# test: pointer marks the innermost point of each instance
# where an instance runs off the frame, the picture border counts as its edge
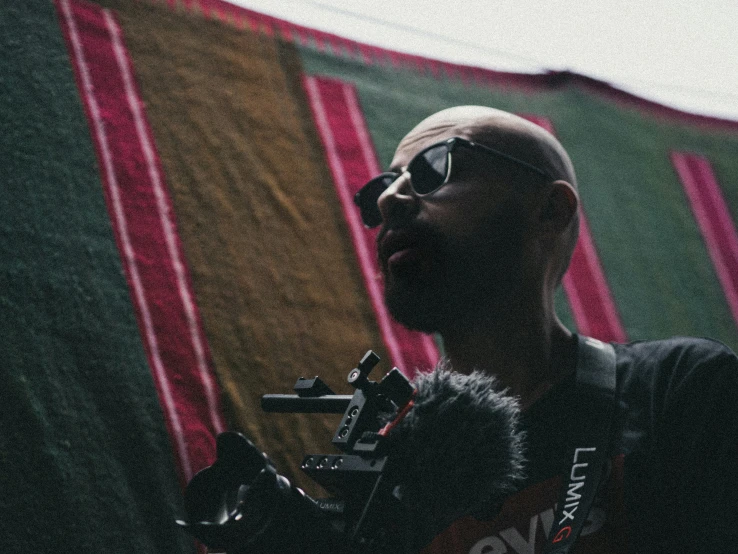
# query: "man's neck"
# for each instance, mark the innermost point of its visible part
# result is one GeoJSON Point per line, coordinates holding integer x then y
{"type": "Point", "coordinates": [528, 358]}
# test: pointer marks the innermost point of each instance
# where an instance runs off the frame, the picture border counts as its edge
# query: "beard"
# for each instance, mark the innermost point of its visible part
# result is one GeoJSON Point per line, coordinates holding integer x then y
{"type": "Point", "coordinates": [458, 281]}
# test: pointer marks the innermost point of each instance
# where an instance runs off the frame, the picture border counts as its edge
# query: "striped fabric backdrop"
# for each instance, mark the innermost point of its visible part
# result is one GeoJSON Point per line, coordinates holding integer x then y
{"type": "Point", "coordinates": [178, 238]}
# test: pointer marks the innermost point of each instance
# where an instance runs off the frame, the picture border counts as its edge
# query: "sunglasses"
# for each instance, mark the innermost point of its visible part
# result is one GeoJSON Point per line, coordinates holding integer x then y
{"type": "Point", "coordinates": [430, 169]}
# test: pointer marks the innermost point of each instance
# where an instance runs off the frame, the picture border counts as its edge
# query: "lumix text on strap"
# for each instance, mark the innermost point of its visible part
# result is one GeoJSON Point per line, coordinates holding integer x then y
{"type": "Point", "coordinates": [588, 450]}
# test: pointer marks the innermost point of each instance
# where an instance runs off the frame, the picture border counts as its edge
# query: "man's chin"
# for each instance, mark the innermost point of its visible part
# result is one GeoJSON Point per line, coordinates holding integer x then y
{"type": "Point", "coordinates": [414, 311]}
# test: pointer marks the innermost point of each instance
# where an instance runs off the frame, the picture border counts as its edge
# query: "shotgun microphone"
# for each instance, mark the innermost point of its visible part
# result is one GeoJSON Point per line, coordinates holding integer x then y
{"type": "Point", "coordinates": [457, 451]}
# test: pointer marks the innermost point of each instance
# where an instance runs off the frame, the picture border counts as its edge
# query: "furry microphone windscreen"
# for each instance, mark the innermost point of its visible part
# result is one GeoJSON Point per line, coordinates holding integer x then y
{"type": "Point", "coordinates": [459, 448]}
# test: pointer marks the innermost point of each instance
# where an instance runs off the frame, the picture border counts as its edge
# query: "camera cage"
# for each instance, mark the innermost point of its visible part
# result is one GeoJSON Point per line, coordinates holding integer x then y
{"type": "Point", "coordinates": [241, 504]}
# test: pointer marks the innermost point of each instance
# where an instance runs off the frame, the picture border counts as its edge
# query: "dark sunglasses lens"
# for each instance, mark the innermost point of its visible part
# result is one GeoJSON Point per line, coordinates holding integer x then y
{"type": "Point", "coordinates": [428, 169]}
{"type": "Point", "coordinates": [367, 198]}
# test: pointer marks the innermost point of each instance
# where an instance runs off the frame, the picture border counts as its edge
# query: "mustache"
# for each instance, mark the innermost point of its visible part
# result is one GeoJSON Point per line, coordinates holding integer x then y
{"type": "Point", "coordinates": [415, 232]}
{"type": "Point", "coordinates": [419, 229]}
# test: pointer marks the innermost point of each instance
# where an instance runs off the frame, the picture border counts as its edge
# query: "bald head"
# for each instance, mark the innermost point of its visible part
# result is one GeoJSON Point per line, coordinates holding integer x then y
{"type": "Point", "coordinates": [503, 131]}
{"type": "Point", "coordinates": [526, 141]}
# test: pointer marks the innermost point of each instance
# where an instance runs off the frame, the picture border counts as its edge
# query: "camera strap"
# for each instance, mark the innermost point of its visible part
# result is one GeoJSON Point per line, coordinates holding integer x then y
{"type": "Point", "coordinates": [594, 406]}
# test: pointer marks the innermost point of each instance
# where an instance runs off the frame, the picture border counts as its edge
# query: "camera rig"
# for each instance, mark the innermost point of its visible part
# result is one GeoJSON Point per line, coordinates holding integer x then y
{"type": "Point", "coordinates": [242, 505]}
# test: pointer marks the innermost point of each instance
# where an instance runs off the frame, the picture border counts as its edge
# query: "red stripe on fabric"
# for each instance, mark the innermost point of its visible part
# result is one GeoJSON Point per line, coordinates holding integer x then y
{"type": "Point", "coordinates": [366, 53]}
{"type": "Point", "coordinates": [376, 54]}
{"type": "Point", "coordinates": [466, 74]}
{"type": "Point", "coordinates": [286, 31]}
{"type": "Point", "coordinates": [418, 62]}
{"type": "Point", "coordinates": [478, 76]}
{"type": "Point", "coordinates": [267, 28]}
{"type": "Point", "coordinates": [352, 161]}
{"type": "Point", "coordinates": [395, 59]}
{"type": "Point", "coordinates": [585, 284]}
{"type": "Point", "coordinates": [589, 294]}
{"type": "Point", "coordinates": [253, 23]}
{"type": "Point", "coordinates": [145, 231]}
{"type": "Point", "coordinates": [713, 218]}
{"type": "Point", "coordinates": [435, 68]}
{"type": "Point", "coordinates": [328, 41]}
{"type": "Point", "coordinates": [303, 36]}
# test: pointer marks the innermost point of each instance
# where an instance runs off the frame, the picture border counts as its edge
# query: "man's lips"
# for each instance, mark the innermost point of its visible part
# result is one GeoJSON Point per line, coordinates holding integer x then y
{"type": "Point", "coordinates": [398, 246]}
{"type": "Point", "coordinates": [404, 256]}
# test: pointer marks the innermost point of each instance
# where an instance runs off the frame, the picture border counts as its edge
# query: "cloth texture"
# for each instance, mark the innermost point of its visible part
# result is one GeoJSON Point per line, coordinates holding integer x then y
{"type": "Point", "coordinates": [263, 246]}
{"type": "Point", "coordinates": [671, 483]}
{"type": "Point", "coordinates": [140, 211]}
{"type": "Point", "coordinates": [273, 269]}
{"type": "Point", "coordinates": [86, 464]}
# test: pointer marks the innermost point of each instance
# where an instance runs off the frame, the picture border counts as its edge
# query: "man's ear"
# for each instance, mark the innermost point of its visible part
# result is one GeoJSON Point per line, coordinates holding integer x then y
{"type": "Point", "coordinates": [559, 207]}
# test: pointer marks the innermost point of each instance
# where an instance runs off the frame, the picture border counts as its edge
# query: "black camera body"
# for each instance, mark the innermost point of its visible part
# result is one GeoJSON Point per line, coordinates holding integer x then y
{"type": "Point", "coordinates": [242, 505]}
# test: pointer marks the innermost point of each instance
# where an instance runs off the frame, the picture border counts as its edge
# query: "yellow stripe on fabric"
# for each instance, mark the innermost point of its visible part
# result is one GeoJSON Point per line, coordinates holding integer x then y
{"type": "Point", "coordinates": [273, 269]}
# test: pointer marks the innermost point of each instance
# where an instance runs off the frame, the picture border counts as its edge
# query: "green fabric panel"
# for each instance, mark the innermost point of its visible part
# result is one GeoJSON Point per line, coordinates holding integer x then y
{"type": "Point", "coordinates": [654, 257]}
{"type": "Point", "coordinates": [85, 461]}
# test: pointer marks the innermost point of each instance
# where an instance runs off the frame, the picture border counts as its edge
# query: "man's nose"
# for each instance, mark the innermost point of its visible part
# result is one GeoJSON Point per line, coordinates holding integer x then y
{"type": "Point", "coordinates": [398, 200]}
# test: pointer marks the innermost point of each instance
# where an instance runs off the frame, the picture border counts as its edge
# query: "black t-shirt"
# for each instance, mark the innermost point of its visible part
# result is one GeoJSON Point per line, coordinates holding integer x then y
{"type": "Point", "coordinates": [672, 481]}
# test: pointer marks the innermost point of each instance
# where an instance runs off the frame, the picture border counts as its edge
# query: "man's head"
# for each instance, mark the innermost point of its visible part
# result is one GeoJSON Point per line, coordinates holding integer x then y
{"type": "Point", "coordinates": [478, 232]}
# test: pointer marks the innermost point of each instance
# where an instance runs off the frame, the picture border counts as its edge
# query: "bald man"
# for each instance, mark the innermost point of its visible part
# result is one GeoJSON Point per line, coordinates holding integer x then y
{"type": "Point", "coordinates": [479, 218]}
